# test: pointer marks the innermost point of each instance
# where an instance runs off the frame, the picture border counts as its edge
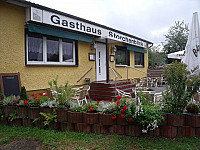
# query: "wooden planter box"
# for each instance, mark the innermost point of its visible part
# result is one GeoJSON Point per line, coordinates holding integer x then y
{"type": "Point", "coordinates": [22, 111]}
{"type": "Point", "coordinates": [121, 121]}
{"type": "Point", "coordinates": [133, 130]}
{"type": "Point", "coordinates": [8, 110]}
{"type": "Point", "coordinates": [91, 118]}
{"type": "Point", "coordinates": [75, 117]}
{"type": "Point", "coordinates": [62, 115]}
{"type": "Point", "coordinates": [175, 120]}
{"type": "Point", "coordinates": [168, 131]}
{"type": "Point", "coordinates": [106, 119]}
{"type": "Point", "coordinates": [192, 120]}
{"type": "Point", "coordinates": [33, 112]}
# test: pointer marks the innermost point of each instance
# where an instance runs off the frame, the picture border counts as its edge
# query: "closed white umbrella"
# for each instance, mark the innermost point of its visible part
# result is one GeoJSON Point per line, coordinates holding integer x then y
{"type": "Point", "coordinates": [192, 49]}
{"type": "Point", "coordinates": [177, 55]}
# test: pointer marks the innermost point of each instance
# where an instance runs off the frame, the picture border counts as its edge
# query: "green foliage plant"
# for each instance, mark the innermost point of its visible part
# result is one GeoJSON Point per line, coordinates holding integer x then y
{"type": "Point", "coordinates": [62, 94]}
{"type": "Point", "coordinates": [1, 97]}
{"type": "Point", "coordinates": [2, 114]}
{"type": "Point", "coordinates": [180, 87]}
{"type": "Point", "coordinates": [23, 93]}
{"type": "Point", "coordinates": [193, 108]}
{"type": "Point", "coordinates": [49, 117]}
{"type": "Point", "coordinates": [10, 100]}
{"type": "Point", "coordinates": [91, 107]}
{"type": "Point", "coordinates": [13, 115]}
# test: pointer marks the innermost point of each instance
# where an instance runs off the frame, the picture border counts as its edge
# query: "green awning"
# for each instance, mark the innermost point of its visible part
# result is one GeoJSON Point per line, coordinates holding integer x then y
{"type": "Point", "coordinates": [59, 33]}
{"type": "Point", "coordinates": [136, 49]}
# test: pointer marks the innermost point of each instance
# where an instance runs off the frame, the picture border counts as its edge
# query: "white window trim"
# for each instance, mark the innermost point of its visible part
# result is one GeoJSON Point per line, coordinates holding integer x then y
{"type": "Point", "coordinates": [45, 62]}
{"type": "Point", "coordinates": [140, 66]}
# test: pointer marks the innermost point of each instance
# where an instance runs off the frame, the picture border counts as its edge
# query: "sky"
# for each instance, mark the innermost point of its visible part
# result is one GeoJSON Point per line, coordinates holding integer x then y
{"type": "Point", "coordinates": [147, 19]}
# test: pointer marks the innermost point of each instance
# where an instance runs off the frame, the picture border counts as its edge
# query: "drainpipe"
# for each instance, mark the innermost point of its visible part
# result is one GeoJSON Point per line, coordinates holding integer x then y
{"type": "Point", "coordinates": [107, 61]}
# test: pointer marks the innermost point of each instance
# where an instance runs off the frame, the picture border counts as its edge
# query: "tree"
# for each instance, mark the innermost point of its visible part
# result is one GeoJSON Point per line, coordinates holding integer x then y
{"type": "Point", "coordinates": [176, 38]}
{"type": "Point", "coordinates": [156, 57]}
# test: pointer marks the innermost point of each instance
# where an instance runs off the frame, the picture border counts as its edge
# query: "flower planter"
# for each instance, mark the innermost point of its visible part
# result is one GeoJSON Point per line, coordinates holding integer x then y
{"type": "Point", "coordinates": [188, 131]}
{"type": "Point", "coordinates": [33, 112]}
{"type": "Point", "coordinates": [62, 115]}
{"type": "Point", "coordinates": [117, 129]}
{"type": "Point", "coordinates": [75, 117]}
{"type": "Point", "coordinates": [63, 126]}
{"type": "Point", "coordinates": [106, 119]}
{"type": "Point", "coordinates": [121, 121]}
{"type": "Point", "coordinates": [83, 127]}
{"type": "Point", "coordinates": [192, 120]}
{"type": "Point", "coordinates": [22, 111]}
{"type": "Point", "coordinates": [1, 107]}
{"type": "Point", "coordinates": [175, 120]}
{"type": "Point", "coordinates": [133, 130]}
{"type": "Point", "coordinates": [16, 122]}
{"type": "Point", "coordinates": [4, 121]}
{"type": "Point", "coordinates": [91, 118]}
{"type": "Point", "coordinates": [46, 110]}
{"type": "Point", "coordinates": [168, 131]}
{"type": "Point", "coordinates": [164, 123]}
{"type": "Point", "coordinates": [54, 126]}
{"type": "Point", "coordinates": [26, 122]}
{"type": "Point", "coordinates": [8, 110]}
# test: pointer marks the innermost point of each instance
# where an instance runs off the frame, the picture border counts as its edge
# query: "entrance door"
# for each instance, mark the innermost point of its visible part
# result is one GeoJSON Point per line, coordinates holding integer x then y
{"type": "Point", "coordinates": [100, 61]}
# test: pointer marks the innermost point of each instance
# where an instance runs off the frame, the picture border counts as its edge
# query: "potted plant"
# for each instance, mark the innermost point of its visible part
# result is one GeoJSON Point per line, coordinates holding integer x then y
{"type": "Point", "coordinates": [192, 118]}
{"type": "Point", "coordinates": [107, 117]}
{"type": "Point", "coordinates": [90, 113]}
{"type": "Point", "coordinates": [62, 95]}
{"type": "Point", "coordinates": [10, 103]}
{"type": "Point", "coordinates": [34, 103]}
{"type": "Point", "coordinates": [75, 115]}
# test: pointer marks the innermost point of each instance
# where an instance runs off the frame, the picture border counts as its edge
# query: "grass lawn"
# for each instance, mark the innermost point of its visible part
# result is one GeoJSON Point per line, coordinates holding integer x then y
{"type": "Point", "coordinates": [81, 141]}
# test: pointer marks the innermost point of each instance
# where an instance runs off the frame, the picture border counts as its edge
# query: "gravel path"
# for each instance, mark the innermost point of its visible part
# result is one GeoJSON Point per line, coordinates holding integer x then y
{"type": "Point", "coordinates": [24, 144]}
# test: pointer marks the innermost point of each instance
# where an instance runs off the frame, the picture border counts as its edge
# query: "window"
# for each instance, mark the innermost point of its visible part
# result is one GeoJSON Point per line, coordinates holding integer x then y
{"type": "Point", "coordinates": [122, 56]}
{"type": "Point", "coordinates": [139, 59]}
{"type": "Point", "coordinates": [47, 50]}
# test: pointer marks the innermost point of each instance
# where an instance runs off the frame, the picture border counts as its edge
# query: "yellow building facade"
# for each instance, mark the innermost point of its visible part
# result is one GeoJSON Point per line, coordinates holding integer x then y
{"type": "Point", "coordinates": [28, 46]}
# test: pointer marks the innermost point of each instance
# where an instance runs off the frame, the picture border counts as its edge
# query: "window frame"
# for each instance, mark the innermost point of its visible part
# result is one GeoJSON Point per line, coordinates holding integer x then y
{"type": "Point", "coordinates": [127, 56]}
{"type": "Point", "coordinates": [141, 65]}
{"type": "Point", "coordinates": [44, 50]}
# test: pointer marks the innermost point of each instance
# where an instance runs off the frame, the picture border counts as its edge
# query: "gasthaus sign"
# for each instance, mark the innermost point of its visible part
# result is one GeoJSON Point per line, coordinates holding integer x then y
{"type": "Point", "coordinates": [54, 19]}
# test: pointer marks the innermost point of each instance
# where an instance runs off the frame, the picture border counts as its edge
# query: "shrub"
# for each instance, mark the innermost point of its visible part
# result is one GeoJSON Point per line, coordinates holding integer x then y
{"type": "Point", "coordinates": [23, 94]}
{"type": "Point", "coordinates": [193, 108]}
{"type": "Point", "coordinates": [176, 96]}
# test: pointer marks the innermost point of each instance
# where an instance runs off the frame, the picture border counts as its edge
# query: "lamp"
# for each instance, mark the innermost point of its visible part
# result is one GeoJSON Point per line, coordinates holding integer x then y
{"type": "Point", "coordinates": [92, 47]}
{"type": "Point", "coordinates": [113, 49]}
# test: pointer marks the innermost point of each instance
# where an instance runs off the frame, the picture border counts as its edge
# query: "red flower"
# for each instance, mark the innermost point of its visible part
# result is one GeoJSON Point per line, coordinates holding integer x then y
{"type": "Point", "coordinates": [122, 111]}
{"type": "Point", "coordinates": [91, 109]}
{"type": "Point", "coordinates": [36, 99]}
{"type": "Point", "coordinates": [114, 117]}
{"type": "Point", "coordinates": [25, 102]}
{"type": "Point", "coordinates": [130, 119]}
{"type": "Point", "coordinates": [98, 102]}
{"type": "Point", "coordinates": [33, 95]}
{"type": "Point", "coordinates": [89, 106]}
{"type": "Point", "coordinates": [125, 107]}
{"type": "Point", "coordinates": [40, 93]}
{"type": "Point", "coordinates": [119, 97]}
{"type": "Point", "coordinates": [46, 95]}
{"type": "Point", "coordinates": [122, 116]}
{"type": "Point", "coordinates": [118, 103]}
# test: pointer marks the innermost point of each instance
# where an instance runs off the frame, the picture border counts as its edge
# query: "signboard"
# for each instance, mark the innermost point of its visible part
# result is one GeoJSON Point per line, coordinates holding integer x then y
{"type": "Point", "coordinates": [54, 19]}
{"type": "Point", "coordinates": [10, 84]}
